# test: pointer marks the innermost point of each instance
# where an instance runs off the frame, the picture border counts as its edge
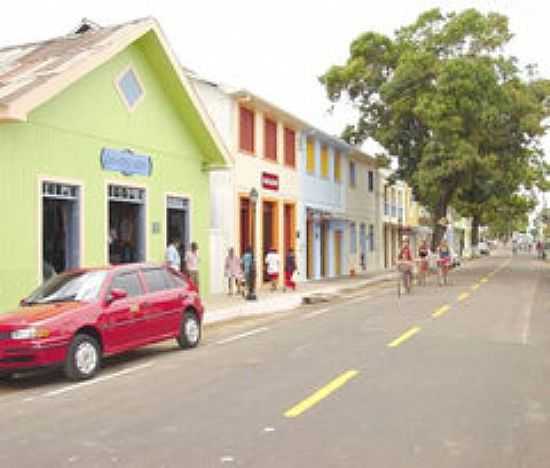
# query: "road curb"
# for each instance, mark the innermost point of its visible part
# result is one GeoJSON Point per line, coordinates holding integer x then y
{"type": "Point", "coordinates": [289, 301]}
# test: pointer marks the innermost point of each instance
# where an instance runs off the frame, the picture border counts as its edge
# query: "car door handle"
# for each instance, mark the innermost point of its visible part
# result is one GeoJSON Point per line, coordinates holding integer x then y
{"type": "Point", "coordinates": [145, 304]}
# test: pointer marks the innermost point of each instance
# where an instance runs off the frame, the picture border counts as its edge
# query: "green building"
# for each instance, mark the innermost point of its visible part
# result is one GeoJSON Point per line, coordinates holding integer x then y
{"type": "Point", "coordinates": [104, 154]}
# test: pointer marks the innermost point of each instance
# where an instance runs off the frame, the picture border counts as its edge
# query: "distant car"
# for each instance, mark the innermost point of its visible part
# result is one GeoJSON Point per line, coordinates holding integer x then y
{"type": "Point", "coordinates": [483, 248]}
{"type": "Point", "coordinates": [76, 318]}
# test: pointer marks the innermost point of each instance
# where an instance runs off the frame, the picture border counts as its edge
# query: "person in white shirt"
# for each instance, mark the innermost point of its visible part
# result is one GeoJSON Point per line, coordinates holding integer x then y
{"type": "Point", "coordinates": [273, 262]}
{"type": "Point", "coordinates": [172, 255]}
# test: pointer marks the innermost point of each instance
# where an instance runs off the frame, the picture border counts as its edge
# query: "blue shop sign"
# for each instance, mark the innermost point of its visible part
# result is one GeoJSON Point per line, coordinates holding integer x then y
{"type": "Point", "coordinates": [126, 162]}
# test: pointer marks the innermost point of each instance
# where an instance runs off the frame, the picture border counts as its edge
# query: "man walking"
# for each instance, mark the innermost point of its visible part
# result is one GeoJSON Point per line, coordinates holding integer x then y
{"type": "Point", "coordinates": [172, 255]}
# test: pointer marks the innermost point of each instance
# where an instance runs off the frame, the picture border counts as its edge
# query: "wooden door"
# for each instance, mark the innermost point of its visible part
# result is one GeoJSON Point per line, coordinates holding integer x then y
{"type": "Point", "coordinates": [338, 253]}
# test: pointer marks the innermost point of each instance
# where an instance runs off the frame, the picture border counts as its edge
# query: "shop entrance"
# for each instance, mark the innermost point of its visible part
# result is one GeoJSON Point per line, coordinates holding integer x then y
{"type": "Point", "coordinates": [289, 223]}
{"type": "Point", "coordinates": [324, 249]}
{"type": "Point", "coordinates": [338, 253]}
{"type": "Point", "coordinates": [60, 228]}
{"type": "Point", "coordinates": [363, 245]}
{"type": "Point", "coordinates": [126, 224]}
{"type": "Point", "coordinates": [177, 223]}
{"type": "Point", "coordinates": [270, 230]}
{"type": "Point", "coordinates": [309, 250]}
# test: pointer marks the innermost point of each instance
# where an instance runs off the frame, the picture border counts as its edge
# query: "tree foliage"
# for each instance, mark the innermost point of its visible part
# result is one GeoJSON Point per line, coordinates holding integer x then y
{"type": "Point", "coordinates": [442, 97]}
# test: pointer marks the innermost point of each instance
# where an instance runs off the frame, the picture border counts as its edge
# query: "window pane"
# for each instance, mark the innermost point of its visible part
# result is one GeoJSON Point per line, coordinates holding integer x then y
{"type": "Point", "coordinates": [128, 282]}
{"type": "Point", "coordinates": [130, 88]}
{"type": "Point", "coordinates": [352, 174]}
{"type": "Point", "coordinates": [177, 280]}
{"type": "Point", "coordinates": [156, 280]}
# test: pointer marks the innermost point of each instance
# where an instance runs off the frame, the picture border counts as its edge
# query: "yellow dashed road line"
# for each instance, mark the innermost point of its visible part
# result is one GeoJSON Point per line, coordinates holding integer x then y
{"type": "Point", "coordinates": [320, 394]}
{"type": "Point", "coordinates": [442, 310]}
{"type": "Point", "coordinates": [464, 296]}
{"type": "Point", "coordinates": [404, 337]}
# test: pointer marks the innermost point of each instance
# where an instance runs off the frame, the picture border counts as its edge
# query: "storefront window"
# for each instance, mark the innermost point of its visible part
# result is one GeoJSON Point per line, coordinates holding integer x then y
{"type": "Point", "coordinates": [126, 224]}
{"type": "Point", "coordinates": [60, 228]}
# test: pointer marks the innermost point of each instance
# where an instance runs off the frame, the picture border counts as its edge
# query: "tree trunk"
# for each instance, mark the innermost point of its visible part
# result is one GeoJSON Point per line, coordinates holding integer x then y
{"type": "Point", "coordinates": [439, 230]}
{"type": "Point", "coordinates": [475, 230]}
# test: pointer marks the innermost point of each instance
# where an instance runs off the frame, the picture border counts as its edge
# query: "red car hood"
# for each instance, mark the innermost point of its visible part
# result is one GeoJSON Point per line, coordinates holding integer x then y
{"type": "Point", "coordinates": [36, 313]}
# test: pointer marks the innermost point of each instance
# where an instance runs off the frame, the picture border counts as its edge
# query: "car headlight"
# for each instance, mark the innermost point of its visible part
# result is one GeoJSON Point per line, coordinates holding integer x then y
{"type": "Point", "coordinates": [30, 333]}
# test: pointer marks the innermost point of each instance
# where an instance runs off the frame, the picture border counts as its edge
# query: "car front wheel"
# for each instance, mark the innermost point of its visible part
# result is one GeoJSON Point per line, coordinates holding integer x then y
{"type": "Point", "coordinates": [83, 358]}
{"type": "Point", "coordinates": [190, 331]}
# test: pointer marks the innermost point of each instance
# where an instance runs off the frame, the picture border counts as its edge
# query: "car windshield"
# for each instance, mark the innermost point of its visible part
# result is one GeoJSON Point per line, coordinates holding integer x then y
{"type": "Point", "coordinates": [73, 286]}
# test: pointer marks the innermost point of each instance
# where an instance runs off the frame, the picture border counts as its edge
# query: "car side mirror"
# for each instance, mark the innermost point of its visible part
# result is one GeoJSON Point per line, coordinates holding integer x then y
{"type": "Point", "coordinates": [116, 294]}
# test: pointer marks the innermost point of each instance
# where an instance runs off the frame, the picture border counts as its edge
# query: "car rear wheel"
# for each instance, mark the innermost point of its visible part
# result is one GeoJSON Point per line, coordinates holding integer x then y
{"type": "Point", "coordinates": [83, 358]}
{"type": "Point", "coordinates": [190, 331]}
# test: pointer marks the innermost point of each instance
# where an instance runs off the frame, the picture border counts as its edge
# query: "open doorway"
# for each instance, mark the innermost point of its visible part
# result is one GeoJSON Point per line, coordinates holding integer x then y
{"type": "Point", "coordinates": [177, 223]}
{"type": "Point", "coordinates": [60, 228]}
{"type": "Point", "coordinates": [270, 231]}
{"type": "Point", "coordinates": [126, 224]}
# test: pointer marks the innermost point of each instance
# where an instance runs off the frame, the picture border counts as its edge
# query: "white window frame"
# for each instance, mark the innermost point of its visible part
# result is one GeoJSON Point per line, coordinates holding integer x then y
{"type": "Point", "coordinates": [118, 79]}
{"type": "Point", "coordinates": [81, 216]}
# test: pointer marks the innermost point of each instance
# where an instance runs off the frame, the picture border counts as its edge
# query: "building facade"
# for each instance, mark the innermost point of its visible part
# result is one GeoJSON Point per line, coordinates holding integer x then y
{"type": "Point", "coordinates": [322, 225]}
{"type": "Point", "coordinates": [254, 204]}
{"type": "Point", "coordinates": [104, 155]}
{"type": "Point", "coordinates": [363, 213]}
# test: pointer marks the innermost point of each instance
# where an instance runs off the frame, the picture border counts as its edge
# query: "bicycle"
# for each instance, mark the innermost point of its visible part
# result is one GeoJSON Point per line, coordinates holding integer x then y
{"type": "Point", "coordinates": [443, 265]}
{"type": "Point", "coordinates": [405, 277]}
{"type": "Point", "coordinates": [422, 271]}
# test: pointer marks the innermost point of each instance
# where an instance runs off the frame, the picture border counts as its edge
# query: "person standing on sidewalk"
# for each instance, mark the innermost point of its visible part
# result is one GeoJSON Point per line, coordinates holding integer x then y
{"type": "Point", "coordinates": [290, 269]}
{"type": "Point", "coordinates": [273, 261]}
{"type": "Point", "coordinates": [232, 271]}
{"type": "Point", "coordinates": [192, 263]}
{"type": "Point", "coordinates": [172, 255]}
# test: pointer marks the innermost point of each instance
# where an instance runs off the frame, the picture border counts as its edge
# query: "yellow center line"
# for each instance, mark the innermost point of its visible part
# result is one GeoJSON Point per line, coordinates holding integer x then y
{"type": "Point", "coordinates": [484, 280]}
{"type": "Point", "coordinates": [404, 337]}
{"type": "Point", "coordinates": [442, 310]}
{"type": "Point", "coordinates": [464, 296]}
{"type": "Point", "coordinates": [475, 287]}
{"type": "Point", "coordinates": [320, 394]}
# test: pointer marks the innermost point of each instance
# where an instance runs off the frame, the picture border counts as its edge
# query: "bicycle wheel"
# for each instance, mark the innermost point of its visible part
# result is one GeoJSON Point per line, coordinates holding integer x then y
{"type": "Point", "coordinates": [399, 286]}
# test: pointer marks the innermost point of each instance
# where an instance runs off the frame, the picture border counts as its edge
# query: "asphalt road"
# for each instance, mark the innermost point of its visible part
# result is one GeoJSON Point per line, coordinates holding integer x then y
{"type": "Point", "coordinates": [456, 376]}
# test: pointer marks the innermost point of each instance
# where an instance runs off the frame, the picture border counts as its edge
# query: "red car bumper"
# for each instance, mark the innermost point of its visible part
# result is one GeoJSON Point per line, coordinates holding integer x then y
{"type": "Point", "coordinates": [29, 354]}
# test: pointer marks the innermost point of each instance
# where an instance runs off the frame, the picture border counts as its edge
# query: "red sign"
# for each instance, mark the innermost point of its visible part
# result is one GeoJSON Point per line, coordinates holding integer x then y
{"type": "Point", "coordinates": [270, 181]}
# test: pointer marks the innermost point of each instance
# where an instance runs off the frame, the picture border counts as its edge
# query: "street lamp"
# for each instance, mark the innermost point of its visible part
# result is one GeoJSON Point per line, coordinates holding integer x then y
{"type": "Point", "coordinates": [253, 197]}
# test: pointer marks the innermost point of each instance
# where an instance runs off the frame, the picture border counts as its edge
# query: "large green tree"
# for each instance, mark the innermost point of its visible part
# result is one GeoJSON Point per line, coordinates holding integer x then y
{"type": "Point", "coordinates": [441, 96]}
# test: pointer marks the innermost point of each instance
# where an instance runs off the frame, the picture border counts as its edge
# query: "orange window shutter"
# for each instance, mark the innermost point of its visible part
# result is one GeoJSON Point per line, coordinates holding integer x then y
{"type": "Point", "coordinates": [337, 170]}
{"type": "Point", "coordinates": [324, 161]}
{"type": "Point", "coordinates": [270, 140]}
{"type": "Point", "coordinates": [246, 130]}
{"type": "Point", "coordinates": [290, 147]}
{"type": "Point", "coordinates": [310, 163]}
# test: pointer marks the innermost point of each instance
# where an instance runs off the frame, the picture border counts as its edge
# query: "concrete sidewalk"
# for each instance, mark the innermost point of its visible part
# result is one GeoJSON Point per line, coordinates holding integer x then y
{"type": "Point", "coordinates": [222, 307]}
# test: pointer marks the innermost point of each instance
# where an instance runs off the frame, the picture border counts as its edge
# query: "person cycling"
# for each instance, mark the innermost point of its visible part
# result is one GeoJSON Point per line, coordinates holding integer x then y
{"type": "Point", "coordinates": [444, 261]}
{"type": "Point", "coordinates": [404, 265]}
{"type": "Point", "coordinates": [423, 254]}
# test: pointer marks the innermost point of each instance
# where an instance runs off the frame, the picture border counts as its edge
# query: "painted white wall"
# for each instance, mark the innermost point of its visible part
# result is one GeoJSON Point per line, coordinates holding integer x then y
{"type": "Point", "coordinates": [362, 208]}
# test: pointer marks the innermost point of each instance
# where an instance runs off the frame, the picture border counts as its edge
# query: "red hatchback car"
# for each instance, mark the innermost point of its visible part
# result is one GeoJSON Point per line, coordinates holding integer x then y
{"type": "Point", "coordinates": [77, 317]}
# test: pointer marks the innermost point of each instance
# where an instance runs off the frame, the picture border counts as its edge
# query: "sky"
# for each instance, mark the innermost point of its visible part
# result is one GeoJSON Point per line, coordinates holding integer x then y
{"type": "Point", "coordinates": [275, 49]}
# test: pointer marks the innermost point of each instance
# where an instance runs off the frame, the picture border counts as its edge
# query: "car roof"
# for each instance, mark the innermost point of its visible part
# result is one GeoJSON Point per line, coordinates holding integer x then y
{"type": "Point", "coordinates": [116, 268]}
